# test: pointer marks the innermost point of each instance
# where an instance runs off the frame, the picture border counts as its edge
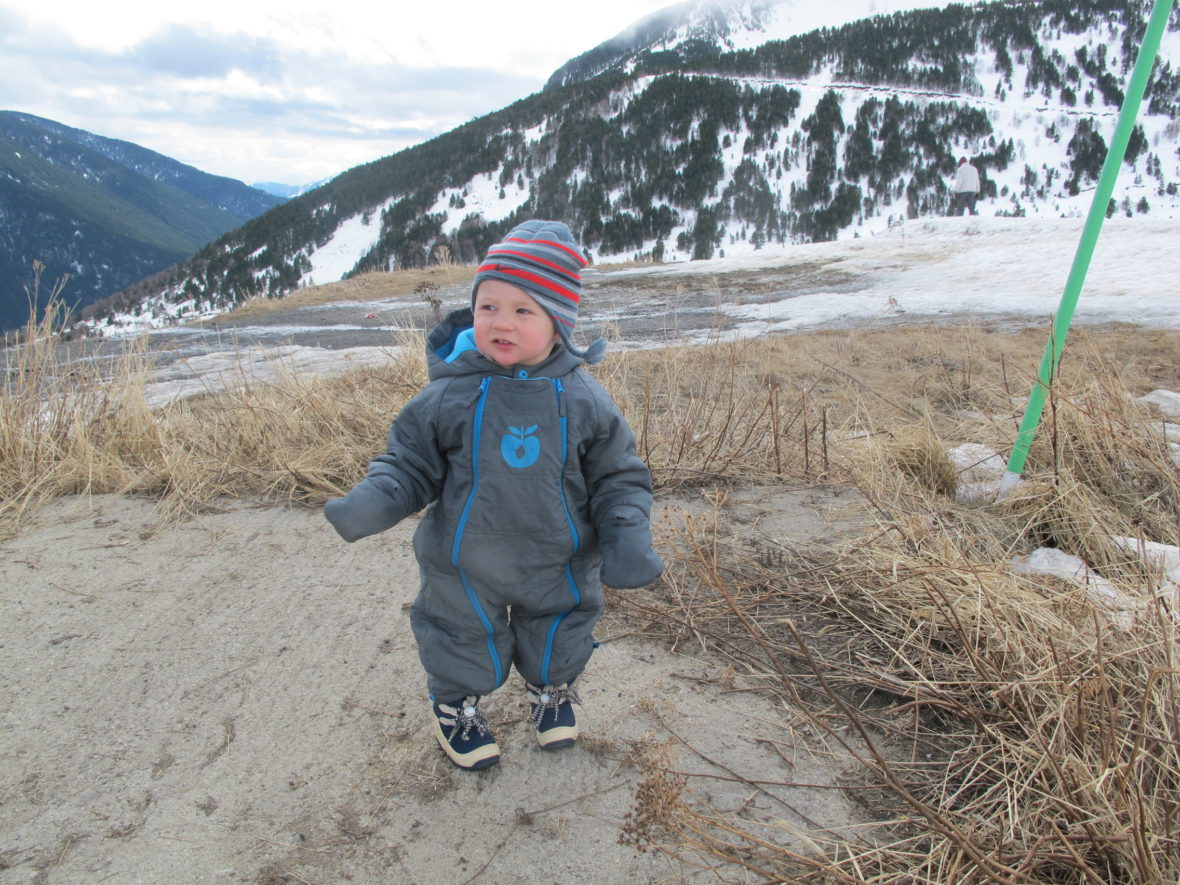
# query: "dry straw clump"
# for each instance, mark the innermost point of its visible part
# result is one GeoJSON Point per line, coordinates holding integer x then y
{"type": "Point", "coordinates": [66, 427]}
{"type": "Point", "coordinates": [1009, 736]}
{"type": "Point", "coordinates": [722, 414]}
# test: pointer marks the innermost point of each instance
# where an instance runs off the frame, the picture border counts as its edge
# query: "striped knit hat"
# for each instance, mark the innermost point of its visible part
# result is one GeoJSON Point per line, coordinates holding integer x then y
{"type": "Point", "coordinates": [542, 258]}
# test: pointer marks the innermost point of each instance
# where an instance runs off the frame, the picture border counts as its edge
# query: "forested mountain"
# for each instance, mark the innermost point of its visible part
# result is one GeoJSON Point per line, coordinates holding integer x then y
{"type": "Point", "coordinates": [687, 150]}
{"type": "Point", "coordinates": [106, 212]}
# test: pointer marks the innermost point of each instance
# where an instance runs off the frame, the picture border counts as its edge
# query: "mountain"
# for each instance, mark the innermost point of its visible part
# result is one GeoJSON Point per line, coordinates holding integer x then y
{"type": "Point", "coordinates": [105, 212]}
{"type": "Point", "coordinates": [681, 146]}
{"type": "Point", "coordinates": [719, 24]}
{"type": "Point", "coordinates": [286, 191]}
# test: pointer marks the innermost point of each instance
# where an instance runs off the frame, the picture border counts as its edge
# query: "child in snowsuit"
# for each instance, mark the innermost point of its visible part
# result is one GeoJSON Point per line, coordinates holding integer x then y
{"type": "Point", "coordinates": [535, 491]}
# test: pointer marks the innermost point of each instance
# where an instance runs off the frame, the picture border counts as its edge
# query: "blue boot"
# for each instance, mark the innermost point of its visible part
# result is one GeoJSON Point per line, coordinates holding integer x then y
{"type": "Point", "coordinates": [464, 735]}
{"type": "Point", "coordinates": [552, 713]}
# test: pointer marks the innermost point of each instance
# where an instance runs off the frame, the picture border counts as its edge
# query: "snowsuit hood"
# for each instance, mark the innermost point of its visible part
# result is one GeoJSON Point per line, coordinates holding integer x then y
{"type": "Point", "coordinates": [450, 352]}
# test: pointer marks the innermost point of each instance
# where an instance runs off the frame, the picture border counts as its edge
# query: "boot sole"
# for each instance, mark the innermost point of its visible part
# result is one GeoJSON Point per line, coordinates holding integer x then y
{"type": "Point", "coordinates": [558, 738]}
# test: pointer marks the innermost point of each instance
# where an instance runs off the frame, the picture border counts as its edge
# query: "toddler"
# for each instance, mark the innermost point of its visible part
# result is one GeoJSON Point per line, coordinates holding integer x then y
{"type": "Point", "coordinates": [536, 496]}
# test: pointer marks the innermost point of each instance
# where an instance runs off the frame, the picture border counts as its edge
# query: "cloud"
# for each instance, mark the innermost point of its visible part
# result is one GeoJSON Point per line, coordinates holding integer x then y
{"type": "Point", "coordinates": [281, 90]}
{"type": "Point", "coordinates": [196, 52]}
{"type": "Point", "coordinates": [199, 95]}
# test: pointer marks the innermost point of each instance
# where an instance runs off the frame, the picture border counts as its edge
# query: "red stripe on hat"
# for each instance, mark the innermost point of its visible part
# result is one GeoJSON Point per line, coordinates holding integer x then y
{"type": "Point", "coordinates": [568, 294]}
{"type": "Point", "coordinates": [531, 257]}
{"type": "Point", "coordinates": [581, 259]}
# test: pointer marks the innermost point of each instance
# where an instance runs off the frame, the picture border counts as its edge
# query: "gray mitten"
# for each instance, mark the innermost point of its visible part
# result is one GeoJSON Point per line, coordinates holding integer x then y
{"type": "Point", "coordinates": [628, 560]}
{"type": "Point", "coordinates": [366, 510]}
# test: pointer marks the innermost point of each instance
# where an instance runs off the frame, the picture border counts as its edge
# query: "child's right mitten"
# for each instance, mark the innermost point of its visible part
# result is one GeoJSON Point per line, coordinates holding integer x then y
{"type": "Point", "coordinates": [628, 559]}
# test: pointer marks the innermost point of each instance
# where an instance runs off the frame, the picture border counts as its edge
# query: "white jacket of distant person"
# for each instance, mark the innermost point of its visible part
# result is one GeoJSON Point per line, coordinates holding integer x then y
{"type": "Point", "coordinates": [966, 178]}
{"type": "Point", "coordinates": [966, 189]}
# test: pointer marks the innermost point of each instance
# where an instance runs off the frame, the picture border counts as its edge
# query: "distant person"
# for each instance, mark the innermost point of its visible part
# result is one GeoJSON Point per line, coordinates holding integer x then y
{"type": "Point", "coordinates": [536, 496]}
{"type": "Point", "coordinates": [965, 189]}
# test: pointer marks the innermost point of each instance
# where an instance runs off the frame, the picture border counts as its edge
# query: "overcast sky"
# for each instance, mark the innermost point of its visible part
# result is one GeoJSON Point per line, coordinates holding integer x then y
{"type": "Point", "coordinates": [292, 91]}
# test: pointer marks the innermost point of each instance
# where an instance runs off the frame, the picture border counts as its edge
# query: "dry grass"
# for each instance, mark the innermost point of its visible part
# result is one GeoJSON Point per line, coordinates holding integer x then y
{"type": "Point", "coordinates": [62, 428]}
{"type": "Point", "coordinates": [1007, 728]}
{"type": "Point", "coordinates": [375, 286]}
{"type": "Point", "coordinates": [69, 429]}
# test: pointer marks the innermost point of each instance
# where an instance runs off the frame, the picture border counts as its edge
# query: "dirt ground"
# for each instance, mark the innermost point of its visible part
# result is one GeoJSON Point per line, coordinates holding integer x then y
{"type": "Point", "coordinates": [237, 698]}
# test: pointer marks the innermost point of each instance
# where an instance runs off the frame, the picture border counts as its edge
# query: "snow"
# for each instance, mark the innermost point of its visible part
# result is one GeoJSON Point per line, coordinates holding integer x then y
{"type": "Point", "coordinates": [1163, 557]}
{"type": "Point", "coordinates": [1118, 606]}
{"type": "Point", "coordinates": [483, 198]}
{"type": "Point", "coordinates": [786, 18]}
{"type": "Point", "coordinates": [1166, 401]}
{"type": "Point", "coordinates": [226, 370]}
{"type": "Point", "coordinates": [352, 239]}
{"type": "Point", "coordinates": [979, 471]}
{"type": "Point", "coordinates": [1003, 267]}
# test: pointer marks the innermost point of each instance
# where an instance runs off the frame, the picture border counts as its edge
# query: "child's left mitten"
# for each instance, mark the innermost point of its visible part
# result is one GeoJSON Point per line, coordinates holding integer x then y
{"type": "Point", "coordinates": [628, 558]}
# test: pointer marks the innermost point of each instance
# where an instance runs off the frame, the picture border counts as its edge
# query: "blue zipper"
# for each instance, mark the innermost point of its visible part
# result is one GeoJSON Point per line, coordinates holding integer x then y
{"type": "Point", "coordinates": [475, 434]}
{"type": "Point", "coordinates": [551, 634]}
{"type": "Point", "coordinates": [489, 628]}
{"type": "Point", "coordinates": [577, 542]}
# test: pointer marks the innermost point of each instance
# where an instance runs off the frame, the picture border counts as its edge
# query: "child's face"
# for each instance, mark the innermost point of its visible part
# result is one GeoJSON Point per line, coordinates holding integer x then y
{"type": "Point", "coordinates": [510, 327]}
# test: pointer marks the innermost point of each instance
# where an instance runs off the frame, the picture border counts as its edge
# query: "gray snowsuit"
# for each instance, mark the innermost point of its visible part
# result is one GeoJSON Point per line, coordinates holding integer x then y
{"type": "Point", "coordinates": [529, 471]}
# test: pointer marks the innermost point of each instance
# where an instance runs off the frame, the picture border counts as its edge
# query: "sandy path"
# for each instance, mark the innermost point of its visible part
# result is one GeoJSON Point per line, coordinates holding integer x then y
{"type": "Point", "coordinates": [238, 698]}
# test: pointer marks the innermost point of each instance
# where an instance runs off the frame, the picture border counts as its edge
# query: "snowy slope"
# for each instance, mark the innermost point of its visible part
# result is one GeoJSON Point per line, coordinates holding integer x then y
{"type": "Point", "coordinates": [753, 22]}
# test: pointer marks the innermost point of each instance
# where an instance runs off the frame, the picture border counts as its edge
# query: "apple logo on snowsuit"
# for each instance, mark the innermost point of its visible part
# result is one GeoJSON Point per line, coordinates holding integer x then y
{"type": "Point", "coordinates": [520, 448]}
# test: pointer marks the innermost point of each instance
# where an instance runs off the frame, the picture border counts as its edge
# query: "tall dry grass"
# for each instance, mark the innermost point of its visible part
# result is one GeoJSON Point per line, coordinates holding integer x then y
{"type": "Point", "coordinates": [65, 427]}
{"type": "Point", "coordinates": [71, 427]}
{"type": "Point", "coordinates": [1007, 728]}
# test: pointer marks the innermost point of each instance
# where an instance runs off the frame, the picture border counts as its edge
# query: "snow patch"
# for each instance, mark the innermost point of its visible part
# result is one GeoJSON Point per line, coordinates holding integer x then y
{"type": "Point", "coordinates": [350, 242]}
{"type": "Point", "coordinates": [1119, 608]}
{"type": "Point", "coordinates": [233, 370]}
{"type": "Point", "coordinates": [979, 470]}
{"type": "Point", "coordinates": [1164, 558]}
{"type": "Point", "coordinates": [1167, 401]}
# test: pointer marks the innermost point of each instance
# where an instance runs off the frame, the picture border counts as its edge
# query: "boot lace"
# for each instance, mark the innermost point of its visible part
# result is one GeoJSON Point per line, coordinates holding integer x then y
{"type": "Point", "coordinates": [466, 717]}
{"type": "Point", "coordinates": [550, 698]}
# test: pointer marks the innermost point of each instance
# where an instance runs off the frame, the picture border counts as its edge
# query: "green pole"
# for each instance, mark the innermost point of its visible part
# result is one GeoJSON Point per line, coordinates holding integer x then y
{"type": "Point", "coordinates": [1081, 263]}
